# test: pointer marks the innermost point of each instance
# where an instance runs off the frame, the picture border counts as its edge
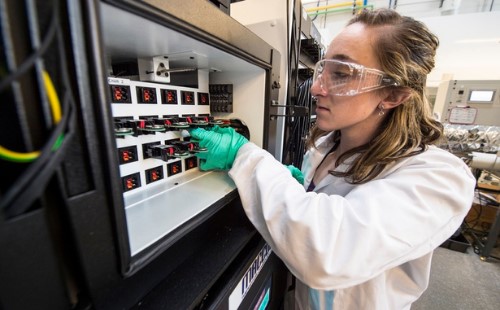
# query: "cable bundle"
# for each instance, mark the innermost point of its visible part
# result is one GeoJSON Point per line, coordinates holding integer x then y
{"type": "Point", "coordinates": [42, 164]}
{"type": "Point", "coordinates": [299, 126]}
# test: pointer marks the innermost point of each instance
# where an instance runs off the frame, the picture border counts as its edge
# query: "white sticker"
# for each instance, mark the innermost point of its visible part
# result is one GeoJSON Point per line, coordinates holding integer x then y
{"type": "Point", "coordinates": [462, 115]}
{"type": "Point", "coordinates": [248, 278]}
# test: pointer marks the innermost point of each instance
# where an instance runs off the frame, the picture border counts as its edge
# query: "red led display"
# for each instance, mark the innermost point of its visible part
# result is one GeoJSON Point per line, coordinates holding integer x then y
{"type": "Point", "coordinates": [187, 97]}
{"type": "Point", "coordinates": [169, 96]}
{"type": "Point", "coordinates": [203, 99]}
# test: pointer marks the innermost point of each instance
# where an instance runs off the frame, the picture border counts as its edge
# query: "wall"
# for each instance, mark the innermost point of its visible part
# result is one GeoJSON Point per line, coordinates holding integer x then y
{"type": "Point", "coordinates": [469, 43]}
{"type": "Point", "coordinates": [268, 19]}
{"type": "Point", "coordinates": [469, 47]}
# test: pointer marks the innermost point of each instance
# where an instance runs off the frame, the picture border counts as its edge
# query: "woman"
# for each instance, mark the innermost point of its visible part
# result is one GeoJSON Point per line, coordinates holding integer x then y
{"type": "Point", "coordinates": [378, 197]}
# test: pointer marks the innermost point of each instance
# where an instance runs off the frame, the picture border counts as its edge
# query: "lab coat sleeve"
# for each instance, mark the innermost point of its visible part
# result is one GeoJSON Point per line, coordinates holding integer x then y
{"type": "Point", "coordinates": [333, 242]}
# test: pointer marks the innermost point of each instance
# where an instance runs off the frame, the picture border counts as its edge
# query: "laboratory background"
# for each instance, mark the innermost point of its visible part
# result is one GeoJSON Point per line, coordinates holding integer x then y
{"type": "Point", "coordinates": [103, 204]}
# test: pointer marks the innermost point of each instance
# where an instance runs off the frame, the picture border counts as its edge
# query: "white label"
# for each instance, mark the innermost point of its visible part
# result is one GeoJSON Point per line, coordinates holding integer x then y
{"type": "Point", "coordinates": [462, 115]}
{"type": "Point", "coordinates": [112, 80]}
{"type": "Point", "coordinates": [249, 277]}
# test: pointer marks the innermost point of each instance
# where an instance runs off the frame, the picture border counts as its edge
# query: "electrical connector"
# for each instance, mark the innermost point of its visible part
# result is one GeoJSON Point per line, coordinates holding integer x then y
{"type": "Point", "coordinates": [166, 152]}
{"type": "Point", "coordinates": [166, 122]}
{"type": "Point", "coordinates": [174, 168]}
{"type": "Point", "coordinates": [186, 119]}
{"type": "Point", "coordinates": [203, 99]}
{"type": "Point", "coordinates": [127, 154]}
{"type": "Point", "coordinates": [191, 162]}
{"type": "Point", "coordinates": [169, 96]}
{"type": "Point", "coordinates": [151, 126]}
{"type": "Point", "coordinates": [146, 95]}
{"type": "Point", "coordinates": [154, 174]}
{"type": "Point", "coordinates": [188, 147]}
{"type": "Point", "coordinates": [148, 150]}
{"type": "Point", "coordinates": [120, 94]}
{"type": "Point", "coordinates": [187, 97]}
{"type": "Point", "coordinates": [131, 181]}
{"type": "Point", "coordinates": [123, 127]}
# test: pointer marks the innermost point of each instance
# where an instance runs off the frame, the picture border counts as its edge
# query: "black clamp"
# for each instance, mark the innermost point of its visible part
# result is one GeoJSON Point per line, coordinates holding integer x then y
{"type": "Point", "coordinates": [291, 111]}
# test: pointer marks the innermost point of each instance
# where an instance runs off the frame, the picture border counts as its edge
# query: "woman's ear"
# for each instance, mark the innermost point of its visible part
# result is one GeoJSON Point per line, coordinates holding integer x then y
{"type": "Point", "coordinates": [396, 97]}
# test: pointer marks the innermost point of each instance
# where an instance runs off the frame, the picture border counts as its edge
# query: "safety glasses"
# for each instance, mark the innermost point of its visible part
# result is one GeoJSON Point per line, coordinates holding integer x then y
{"type": "Point", "coordinates": [348, 79]}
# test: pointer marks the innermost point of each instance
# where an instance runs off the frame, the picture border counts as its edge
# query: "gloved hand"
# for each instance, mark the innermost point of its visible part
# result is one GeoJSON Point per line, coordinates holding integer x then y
{"type": "Point", "coordinates": [296, 173]}
{"type": "Point", "coordinates": [222, 145]}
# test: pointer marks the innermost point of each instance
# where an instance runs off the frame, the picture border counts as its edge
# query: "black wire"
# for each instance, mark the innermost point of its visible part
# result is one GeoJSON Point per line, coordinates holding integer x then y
{"type": "Point", "coordinates": [29, 186]}
{"type": "Point", "coordinates": [293, 64]}
{"type": "Point", "coordinates": [307, 100]}
{"type": "Point", "coordinates": [316, 16]}
{"type": "Point", "coordinates": [30, 61]}
{"type": "Point", "coordinates": [471, 225]}
{"type": "Point", "coordinates": [475, 221]}
{"type": "Point", "coordinates": [299, 128]}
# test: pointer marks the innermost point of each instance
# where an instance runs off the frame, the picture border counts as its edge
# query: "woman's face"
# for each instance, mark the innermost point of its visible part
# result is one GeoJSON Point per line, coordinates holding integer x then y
{"type": "Point", "coordinates": [358, 113]}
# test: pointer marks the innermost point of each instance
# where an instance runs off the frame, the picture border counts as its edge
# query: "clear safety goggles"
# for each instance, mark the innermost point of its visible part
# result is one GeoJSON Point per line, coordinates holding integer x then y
{"type": "Point", "coordinates": [348, 79]}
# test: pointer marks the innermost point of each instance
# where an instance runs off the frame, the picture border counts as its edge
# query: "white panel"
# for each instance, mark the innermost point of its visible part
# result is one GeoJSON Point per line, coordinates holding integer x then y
{"type": "Point", "coordinates": [155, 210]}
{"type": "Point", "coordinates": [453, 104]}
{"type": "Point", "coordinates": [248, 98]}
{"type": "Point", "coordinates": [154, 214]}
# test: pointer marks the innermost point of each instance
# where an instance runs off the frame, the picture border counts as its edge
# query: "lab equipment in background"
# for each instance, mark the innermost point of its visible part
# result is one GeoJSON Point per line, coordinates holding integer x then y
{"type": "Point", "coordinates": [485, 161]}
{"type": "Point", "coordinates": [488, 197]}
{"type": "Point", "coordinates": [479, 146]}
{"type": "Point", "coordinates": [468, 102]}
{"type": "Point", "coordinates": [463, 139]}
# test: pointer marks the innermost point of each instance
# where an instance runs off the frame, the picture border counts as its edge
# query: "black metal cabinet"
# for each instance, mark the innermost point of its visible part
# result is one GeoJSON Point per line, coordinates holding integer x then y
{"type": "Point", "coordinates": [65, 234]}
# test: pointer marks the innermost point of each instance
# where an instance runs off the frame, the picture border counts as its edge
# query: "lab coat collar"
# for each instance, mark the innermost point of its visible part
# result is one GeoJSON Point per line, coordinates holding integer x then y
{"type": "Point", "coordinates": [314, 157]}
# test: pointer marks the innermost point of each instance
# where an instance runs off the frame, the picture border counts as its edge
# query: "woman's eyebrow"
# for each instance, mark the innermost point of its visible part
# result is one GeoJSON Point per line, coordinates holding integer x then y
{"type": "Point", "coordinates": [341, 57]}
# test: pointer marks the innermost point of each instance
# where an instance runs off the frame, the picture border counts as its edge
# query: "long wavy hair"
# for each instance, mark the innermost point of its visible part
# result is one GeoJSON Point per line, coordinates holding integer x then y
{"type": "Point", "coordinates": [406, 50]}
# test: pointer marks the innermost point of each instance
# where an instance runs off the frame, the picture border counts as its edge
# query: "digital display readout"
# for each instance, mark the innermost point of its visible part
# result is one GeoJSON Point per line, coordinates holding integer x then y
{"type": "Point", "coordinates": [481, 96]}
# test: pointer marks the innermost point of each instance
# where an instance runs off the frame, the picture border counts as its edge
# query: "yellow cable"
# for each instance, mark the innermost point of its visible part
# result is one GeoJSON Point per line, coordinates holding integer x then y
{"type": "Point", "coordinates": [55, 106]}
{"type": "Point", "coordinates": [18, 157]}
{"type": "Point", "coordinates": [53, 99]}
{"type": "Point", "coordinates": [337, 5]}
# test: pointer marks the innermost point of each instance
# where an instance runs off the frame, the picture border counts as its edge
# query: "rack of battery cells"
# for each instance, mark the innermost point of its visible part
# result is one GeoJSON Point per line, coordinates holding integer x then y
{"type": "Point", "coordinates": [150, 123]}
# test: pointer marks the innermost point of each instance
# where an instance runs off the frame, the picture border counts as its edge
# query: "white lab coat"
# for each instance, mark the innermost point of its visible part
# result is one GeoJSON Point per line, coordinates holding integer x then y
{"type": "Point", "coordinates": [365, 246]}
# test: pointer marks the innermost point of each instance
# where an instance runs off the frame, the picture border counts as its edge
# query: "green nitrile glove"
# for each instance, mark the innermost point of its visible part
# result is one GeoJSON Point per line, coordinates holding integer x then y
{"type": "Point", "coordinates": [222, 145]}
{"type": "Point", "coordinates": [296, 173]}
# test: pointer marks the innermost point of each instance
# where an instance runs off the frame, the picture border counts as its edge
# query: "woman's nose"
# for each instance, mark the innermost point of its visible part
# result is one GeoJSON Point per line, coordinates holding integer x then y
{"type": "Point", "coordinates": [317, 89]}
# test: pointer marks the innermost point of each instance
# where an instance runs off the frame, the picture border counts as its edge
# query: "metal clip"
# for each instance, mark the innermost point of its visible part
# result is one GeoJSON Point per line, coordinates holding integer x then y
{"type": "Point", "coordinates": [291, 111]}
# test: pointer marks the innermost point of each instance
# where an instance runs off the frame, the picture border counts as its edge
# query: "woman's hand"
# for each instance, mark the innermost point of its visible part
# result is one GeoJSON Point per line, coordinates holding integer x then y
{"type": "Point", "coordinates": [222, 146]}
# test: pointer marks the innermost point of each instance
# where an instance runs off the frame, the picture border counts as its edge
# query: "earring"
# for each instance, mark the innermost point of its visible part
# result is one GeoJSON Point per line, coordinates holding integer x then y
{"type": "Point", "coordinates": [381, 110]}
